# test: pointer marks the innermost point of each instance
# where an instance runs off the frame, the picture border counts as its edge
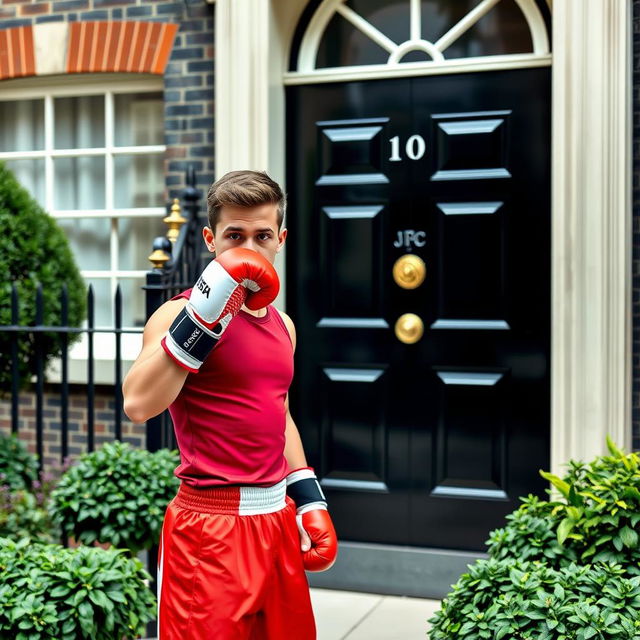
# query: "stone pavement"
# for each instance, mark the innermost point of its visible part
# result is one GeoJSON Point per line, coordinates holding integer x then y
{"type": "Point", "coordinates": [344, 615]}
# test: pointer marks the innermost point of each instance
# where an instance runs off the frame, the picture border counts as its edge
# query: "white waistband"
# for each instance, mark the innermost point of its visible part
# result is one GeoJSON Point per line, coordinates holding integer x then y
{"type": "Point", "coordinates": [256, 500]}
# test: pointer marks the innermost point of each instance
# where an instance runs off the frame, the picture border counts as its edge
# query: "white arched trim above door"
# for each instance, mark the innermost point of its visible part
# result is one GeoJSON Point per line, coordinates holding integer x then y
{"type": "Point", "coordinates": [591, 256]}
{"type": "Point", "coordinates": [306, 70]}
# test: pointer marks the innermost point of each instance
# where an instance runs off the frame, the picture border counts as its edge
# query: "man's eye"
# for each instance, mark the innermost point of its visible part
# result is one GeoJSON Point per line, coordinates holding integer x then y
{"type": "Point", "coordinates": [264, 237]}
{"type": "Point", "coordinates": [233, 236]}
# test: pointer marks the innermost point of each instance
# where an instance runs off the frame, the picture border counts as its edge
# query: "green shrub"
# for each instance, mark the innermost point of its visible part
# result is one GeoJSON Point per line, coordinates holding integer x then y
{"type": "Point", "coordinates": [599, 511]}
{"type": "Point", "coordinates": [595, 519]}
{"type": "Point", "coordinates": [33, 249]}
{"type": "Point", "coordinates": [530, 535]}
{"type": "Point", "coordinates": [529, 600]}
{"type": "Point", "coordinates": [18, 467]}
{"type": "Point", "coordinates": [567, 568]}
{"type": "Point", "coordinates": [24, 494]}
{"type": "Point", "coordinates": [116, 494]}
{"type": "Point", "coordinates": [47, 592]}
{"type": "Point", "coordinates": [21, 516]}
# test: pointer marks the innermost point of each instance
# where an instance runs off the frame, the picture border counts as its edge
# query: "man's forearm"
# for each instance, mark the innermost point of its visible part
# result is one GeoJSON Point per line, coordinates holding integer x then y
{"type": "Point", "coordinates": [152, 385]}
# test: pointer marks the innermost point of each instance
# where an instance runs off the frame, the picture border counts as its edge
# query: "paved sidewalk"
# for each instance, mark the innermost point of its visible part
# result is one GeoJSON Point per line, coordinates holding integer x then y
{"type": "Point", "coordinates": [344, 615]}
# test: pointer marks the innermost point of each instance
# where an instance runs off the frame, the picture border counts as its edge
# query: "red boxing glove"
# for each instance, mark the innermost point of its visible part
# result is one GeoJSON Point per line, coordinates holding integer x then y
{"type": "Point", "coordinates": [313, 518]}
{"type": "Point", "coordinates": [235, 277]}
{"type": "Point", "coordinates": [324, 542]}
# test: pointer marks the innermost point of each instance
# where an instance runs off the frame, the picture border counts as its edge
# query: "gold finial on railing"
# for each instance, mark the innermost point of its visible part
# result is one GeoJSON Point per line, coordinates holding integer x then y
{"type": "Point", "coordinates": [174, 221]}
{"type": "Point", "coordinates": [158, 258]}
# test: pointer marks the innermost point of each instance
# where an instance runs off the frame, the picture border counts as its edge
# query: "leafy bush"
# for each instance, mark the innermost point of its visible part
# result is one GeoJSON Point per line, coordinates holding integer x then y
{"type": "Point", "coordinates": [33, 248]}
{"type": "Point", "coordinates": [19, 467]}
{"type": "Point", "coordinates": [567, 568]}
{"type": "Point", "coordinates": [529, 600]}
{"type": "Point", "coordinates": [21, 516]}
{"type": "Point", "coordinates": [530, 535]}
{"type": "Point", "coordinates": [595, 519]}
{"type": "Point", "coordinates": [24, 493]}
{"type": "Point", "coordinates": [116, 494]}
{"type": "Point", "coordinates": [47, 591]}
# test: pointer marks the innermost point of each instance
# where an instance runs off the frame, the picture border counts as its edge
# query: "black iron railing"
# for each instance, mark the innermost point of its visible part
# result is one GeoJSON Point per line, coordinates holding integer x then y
{"type": "Point", "coordinates": [38, 330]}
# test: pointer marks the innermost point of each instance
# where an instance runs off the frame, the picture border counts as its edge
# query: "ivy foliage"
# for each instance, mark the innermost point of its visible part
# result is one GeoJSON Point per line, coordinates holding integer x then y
{"type": "Point", "coordinates": [33, 249]}
{"type": "Point", "coordinates": [47, 592]}
{"type": "Point", "coordinates": [116, 494]}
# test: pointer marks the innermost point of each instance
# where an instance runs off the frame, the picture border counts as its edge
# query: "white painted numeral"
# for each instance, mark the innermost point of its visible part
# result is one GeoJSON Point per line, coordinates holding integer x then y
{"type": "Point", "coordinates": [395, 149]}
{"type": "Point", "coordinates": [415, 148]}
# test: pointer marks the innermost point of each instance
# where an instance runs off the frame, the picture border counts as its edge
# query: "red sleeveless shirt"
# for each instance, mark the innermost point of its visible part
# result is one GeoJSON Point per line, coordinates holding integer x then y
{"type": "Point", "coordinates": [229, 418]}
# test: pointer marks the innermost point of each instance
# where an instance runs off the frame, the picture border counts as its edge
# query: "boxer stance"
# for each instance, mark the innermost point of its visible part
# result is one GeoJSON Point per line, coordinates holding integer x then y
{"type": "Point", "coordinates": [249, 516]}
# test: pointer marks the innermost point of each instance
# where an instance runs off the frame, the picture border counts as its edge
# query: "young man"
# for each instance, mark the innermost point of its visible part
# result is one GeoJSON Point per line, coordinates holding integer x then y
{"type": "Point", "coordinates": [234, 547]}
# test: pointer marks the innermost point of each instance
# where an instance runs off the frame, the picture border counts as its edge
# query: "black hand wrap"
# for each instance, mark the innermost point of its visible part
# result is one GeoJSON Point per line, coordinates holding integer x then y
{"type": "Point", "coordinates": [192, 343]}
{"type": "Point", "coordinates": [303, 488]}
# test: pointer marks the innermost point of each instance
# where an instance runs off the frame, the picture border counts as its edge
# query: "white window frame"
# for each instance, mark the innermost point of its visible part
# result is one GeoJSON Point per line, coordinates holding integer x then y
{"type": "Point", "coordinates": [109, 87]}
{"type": "Point", "coordinates": [74, 85]}
{"type": "Point", "coordinates": [307, 72]}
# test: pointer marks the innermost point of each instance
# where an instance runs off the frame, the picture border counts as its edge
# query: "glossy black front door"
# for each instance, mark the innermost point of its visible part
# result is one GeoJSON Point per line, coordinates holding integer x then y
{"type": "Point", "coordinates": [429, 443]}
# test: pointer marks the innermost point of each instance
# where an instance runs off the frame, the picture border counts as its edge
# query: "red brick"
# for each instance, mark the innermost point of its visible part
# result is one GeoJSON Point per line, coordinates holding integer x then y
{"type": "Point", "coordinates": [35, 9]}
{"type": "Point", "coordinates": [176, 152]}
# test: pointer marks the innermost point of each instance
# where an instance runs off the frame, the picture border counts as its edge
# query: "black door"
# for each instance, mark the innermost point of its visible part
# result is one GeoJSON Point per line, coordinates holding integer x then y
{"type": "Point", "coordinates": [427, 443]}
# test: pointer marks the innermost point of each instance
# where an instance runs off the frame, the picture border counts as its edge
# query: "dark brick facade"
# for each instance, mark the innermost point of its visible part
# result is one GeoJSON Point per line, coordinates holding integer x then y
{"type": "Point", "coordinates": [636, 225]}
{"type": "Point", "coordinates": [188, 79]}
{"type": "Point", "coordinates": [77, 421]}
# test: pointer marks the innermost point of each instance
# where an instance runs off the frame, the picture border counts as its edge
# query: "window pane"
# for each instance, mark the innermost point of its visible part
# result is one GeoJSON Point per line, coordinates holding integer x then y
{"type": "Point", "coordinates": [79, 183]}
{"type": "Point", "coordinates": [89, 239]}
{"type": "Point", "coordinates": [135, 240]}
{"type": "Point", "coordinates": [79, 122]}
{"type": "Point", "coordinates": [343, 45]}
{"type": "Point", "coordinates": [102, 303]}
{"type": "Point", "coordinates": [30, 174]}
{"type": "Point", "coordinates": [391, 17]}
{"type": "Point", "coordinates": [22, 125]}
{"type": "Point", "coordinates": [133, 302]}
{"type": "Point", "coordinates": [139, 181]}
{"type": "Point", "coordinates": [139, 119]}
{"type": "Point", "coordinates": [502, 31]}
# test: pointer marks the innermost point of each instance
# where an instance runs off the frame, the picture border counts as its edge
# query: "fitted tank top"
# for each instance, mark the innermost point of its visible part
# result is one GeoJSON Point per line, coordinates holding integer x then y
{"type": "Point", "coordinates": [229, 418]}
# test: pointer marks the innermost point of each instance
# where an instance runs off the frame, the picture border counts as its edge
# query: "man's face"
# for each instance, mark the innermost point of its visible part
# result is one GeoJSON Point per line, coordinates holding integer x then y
{"type": "Point", "coordinates": [253, 228]}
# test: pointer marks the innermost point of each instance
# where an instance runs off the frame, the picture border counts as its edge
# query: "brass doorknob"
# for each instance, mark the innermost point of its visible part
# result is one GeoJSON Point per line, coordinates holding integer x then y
{"type": "Point", "coordinates": [409, 328]}
{"type": "Point", "coordinates": [409, 271]}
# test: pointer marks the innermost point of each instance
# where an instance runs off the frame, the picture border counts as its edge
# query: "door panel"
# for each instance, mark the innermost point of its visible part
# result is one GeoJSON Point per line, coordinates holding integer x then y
{"type": "Point", "coordinates": [428, 443]}
{"type": "Point", "coordinates": [352, 280]}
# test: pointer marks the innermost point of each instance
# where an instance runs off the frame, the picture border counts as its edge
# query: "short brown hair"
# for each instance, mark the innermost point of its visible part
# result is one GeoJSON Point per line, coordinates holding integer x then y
{"type": "Point", "coordinates": [244, 189]}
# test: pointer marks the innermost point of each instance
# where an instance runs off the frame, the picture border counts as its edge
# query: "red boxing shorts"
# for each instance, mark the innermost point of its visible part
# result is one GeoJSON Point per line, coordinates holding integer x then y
{"type": "Point", "coordinates": [230, 567]}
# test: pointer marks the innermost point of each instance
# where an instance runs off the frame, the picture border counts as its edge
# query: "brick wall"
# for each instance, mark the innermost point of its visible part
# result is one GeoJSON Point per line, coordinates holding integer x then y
{"type": "Point", "coordinates": [636, 225]}
{"type": "Point", "coordinates": [188, 78]}
{"type": "Point", "coordinates": [103, 423]}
